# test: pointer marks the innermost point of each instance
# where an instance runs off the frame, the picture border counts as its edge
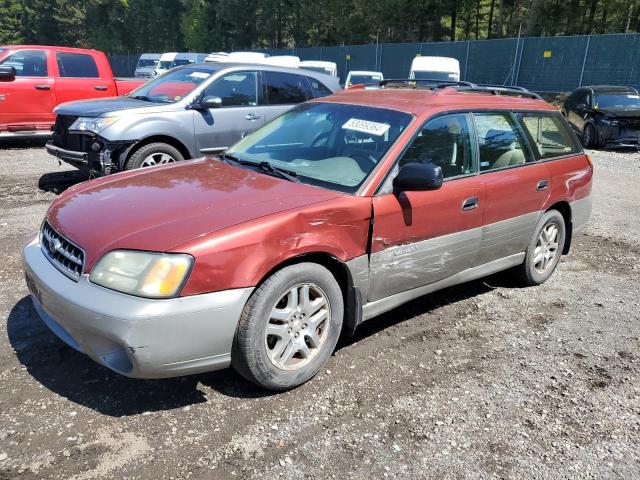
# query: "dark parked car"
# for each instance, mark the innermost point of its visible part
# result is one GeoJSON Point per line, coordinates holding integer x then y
{"type": "Point", "coordinates": [605, 116]}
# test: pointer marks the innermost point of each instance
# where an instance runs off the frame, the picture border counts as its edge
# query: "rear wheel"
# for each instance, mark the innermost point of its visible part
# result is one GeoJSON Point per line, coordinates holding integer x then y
{"type": "Point", "coordinates": [544, 250]}
{"type": "Point", "coordinates": [589, 136]}
{"type": "Point", "coordinates": [289, 327]}
{"type": "Point", "coordinates": [153, 154]}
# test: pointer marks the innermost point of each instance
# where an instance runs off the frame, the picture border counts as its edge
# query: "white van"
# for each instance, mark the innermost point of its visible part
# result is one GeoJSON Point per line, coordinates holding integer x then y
{"type": "Point", "coordinates": [330, 68]}
{"type": "Point", "coordinates": [290, 61]}
{"type": "Point", "coordinates": [147, 64]}
{"type": "Point", "coordinates": [368, 79]}
{"type": "Point", "coordinates": [435, 68]}
{"type": "Point", "coordinates": [164, 64]}
{"type": "Point", "coordinates": [246, 57]}
{"type": "Point", "coordinates": [216, 57]}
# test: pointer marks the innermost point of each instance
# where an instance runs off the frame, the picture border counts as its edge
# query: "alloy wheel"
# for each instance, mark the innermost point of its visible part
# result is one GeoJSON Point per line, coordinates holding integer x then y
{"type": "Point", "coordinates": [546, 248]}
{"type": "Point", "coordinates": [298, 326]}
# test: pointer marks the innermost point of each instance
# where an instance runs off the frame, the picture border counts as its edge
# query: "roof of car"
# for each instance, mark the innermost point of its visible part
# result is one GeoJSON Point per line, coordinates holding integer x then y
{"type": "Point", "coordinates": [419, 102]}
{"type": "Point", "coordinates": [217, 66]}
{"type": "Point", "coordinates": [609, 88]}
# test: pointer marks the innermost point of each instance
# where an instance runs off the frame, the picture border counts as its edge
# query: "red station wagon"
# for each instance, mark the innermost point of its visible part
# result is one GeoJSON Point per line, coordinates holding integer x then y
{"type": "Point", "coordinates": [341, 209]}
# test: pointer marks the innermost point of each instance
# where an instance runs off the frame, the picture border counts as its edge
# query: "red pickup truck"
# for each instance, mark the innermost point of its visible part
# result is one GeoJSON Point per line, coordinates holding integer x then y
{"type": "Point", "coordinates": [34, 79]}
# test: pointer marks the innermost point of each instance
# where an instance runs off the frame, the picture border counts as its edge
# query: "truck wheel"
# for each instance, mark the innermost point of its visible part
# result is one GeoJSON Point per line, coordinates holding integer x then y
{"type": "Point", "coordinates": [153, 154]}
{"type": "Point", "coordinates": [289, 327]}
{"type": "Point", "coordinates": [544, 250]}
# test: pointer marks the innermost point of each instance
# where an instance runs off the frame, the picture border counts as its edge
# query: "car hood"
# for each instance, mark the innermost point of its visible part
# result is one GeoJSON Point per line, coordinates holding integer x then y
{"type": "Point", "coordinates": [620, 112]}
{"type": "Point", "coordinates": [159, 208]}
{"type": "Point", "coordinates": [95, 108]}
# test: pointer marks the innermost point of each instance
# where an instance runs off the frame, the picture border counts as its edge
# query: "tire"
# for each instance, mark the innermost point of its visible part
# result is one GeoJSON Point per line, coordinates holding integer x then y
{"type": "Point", "coordinates": [267, 360]}
{"type": "Point", "coordinates": [589, 136]}
{"type": "Point", "coordinates": [533, 270]}
{"type": "Point", "coordinates": [153, 154]}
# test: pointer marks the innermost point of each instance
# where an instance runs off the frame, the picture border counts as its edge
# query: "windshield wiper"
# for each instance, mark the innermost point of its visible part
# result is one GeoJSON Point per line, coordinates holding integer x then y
{"type": "Point", "coordinates": [286, 174]}
{"type": "Point", "coordinates": [265, 166]}
{"type": "Point", "coordinates": [141, 97]}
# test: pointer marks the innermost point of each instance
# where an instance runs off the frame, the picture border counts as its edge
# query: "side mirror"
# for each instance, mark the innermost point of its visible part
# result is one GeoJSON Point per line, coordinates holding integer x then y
{"type": "Point", "coordinates": [418, 177]}
{"type": "Point", "coordinates": [207, 103]}
{"type": "Point", "coordinates": [7, 73]}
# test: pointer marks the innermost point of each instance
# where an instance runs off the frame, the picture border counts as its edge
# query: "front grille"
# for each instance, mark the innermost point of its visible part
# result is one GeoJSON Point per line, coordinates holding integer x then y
{"type": "Point", "coordinates": [62, 253]}
{"type": "Point", "coordinates": [76, 142]}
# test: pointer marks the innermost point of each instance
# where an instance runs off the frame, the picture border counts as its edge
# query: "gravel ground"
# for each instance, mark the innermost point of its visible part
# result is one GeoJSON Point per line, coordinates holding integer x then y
{"type": "Point", "coordinates": [479, 381]}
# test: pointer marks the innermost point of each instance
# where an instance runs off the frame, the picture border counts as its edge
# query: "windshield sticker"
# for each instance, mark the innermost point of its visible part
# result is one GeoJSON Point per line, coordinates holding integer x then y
{"type": "Point", "coordinates": [199, 75]}
{"type": "Point", "coordinates": [365, 126]}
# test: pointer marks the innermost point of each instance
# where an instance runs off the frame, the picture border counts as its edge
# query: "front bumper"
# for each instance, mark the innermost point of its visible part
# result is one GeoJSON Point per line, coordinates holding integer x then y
{"type": "Point", "coordinates": [77, 159]}
{"type": "Point", "coordinates": [133, 336]}
{"type": "Point", "coordinates": [616, 137]}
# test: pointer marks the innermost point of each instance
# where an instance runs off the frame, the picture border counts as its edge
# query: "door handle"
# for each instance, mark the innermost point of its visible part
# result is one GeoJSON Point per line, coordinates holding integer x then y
{"type": "Point", "coordinates": [470, 203]}
{"type": "Point", "coordinates": [101, 88]}
{"type": "Point", "coordinates": [542, 185]}
{"type": "Point", "coordinates": [43, 87]}
{"type": "Point", "coordinates": [252, 116]}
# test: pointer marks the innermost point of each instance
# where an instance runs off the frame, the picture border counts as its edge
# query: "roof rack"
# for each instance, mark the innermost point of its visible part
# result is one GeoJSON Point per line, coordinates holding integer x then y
{"type": "Point", "coordinates": [433, 84]}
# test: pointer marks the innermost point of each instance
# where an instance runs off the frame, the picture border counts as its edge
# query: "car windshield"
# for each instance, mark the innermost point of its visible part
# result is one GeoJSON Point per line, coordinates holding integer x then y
{"type": "Point", "coordinates": [143, 62]}
{"type": "Point", "coordinates": [173, 86]}
{"type": "Point", "coordinates": [617, 100]}
{"type": "Point", "coordinates": [330, 145]}
{"type": "Point", "coordinates": [445, 76]}
{"type": "Point", "coordinates": [364, 80]}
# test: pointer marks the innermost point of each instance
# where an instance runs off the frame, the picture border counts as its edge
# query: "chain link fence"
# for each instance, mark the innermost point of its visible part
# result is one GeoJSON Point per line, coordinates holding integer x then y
{"type": "Point", "coordinates": [543, 64]}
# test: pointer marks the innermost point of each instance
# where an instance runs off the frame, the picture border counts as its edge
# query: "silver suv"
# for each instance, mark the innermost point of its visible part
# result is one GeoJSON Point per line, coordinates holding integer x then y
{"type": "Point", "coordinates": [186, 113]}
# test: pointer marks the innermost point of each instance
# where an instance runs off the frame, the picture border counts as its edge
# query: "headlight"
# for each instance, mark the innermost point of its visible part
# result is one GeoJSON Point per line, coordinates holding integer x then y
{"type": "Point", "coordinates": [608, 122]}
{"type": "Point", "coordinates": [144, 274]}
{"type": "Point", "coordinates": [95, 125]}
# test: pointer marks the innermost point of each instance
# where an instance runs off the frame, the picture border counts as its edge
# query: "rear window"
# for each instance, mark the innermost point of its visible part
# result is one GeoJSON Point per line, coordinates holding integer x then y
{"type": "Point", "coordinates": [285, 88]}
{"type": "Point", "coordinates": [77, 65]}
{"type": "Point", "coordinates": [549, 134]}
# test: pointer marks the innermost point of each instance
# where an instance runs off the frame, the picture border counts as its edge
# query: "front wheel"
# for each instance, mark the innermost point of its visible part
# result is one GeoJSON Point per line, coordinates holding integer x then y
{"type": "Point", "coordinates": [289, 327]}
{"type": "Point", "coordinates": [153, 154]}
{"type": "Point", "coordinates": [544, 250]}
{"type": "Point", "coordinates": [589, 136]}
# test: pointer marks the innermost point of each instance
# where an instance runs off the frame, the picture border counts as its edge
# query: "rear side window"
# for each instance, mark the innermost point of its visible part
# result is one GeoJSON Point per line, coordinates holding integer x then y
{"type": "Point", "coordinates": [319, 89]}
{"type": "Point", "coordinates": [235, 89]}
{"type": "Point", "coordinates": [501, 141]}
{"type": "Point", "coordinates": [77, 65]}
{"type": "Point", "coordinates": [549, 134]}
{"type": "Point", "coordinates": [285, 88]}
{"type": "Point", "coordinates": [28, 63]}
{"type": "Point", "coordinates": [444, 141]}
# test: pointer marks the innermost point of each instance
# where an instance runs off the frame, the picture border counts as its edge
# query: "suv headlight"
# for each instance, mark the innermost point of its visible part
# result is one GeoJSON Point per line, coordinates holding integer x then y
{"type": "Point", "coordinates": [90, 124]}
{"type": "Point", "coordinates": [143, 274]}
